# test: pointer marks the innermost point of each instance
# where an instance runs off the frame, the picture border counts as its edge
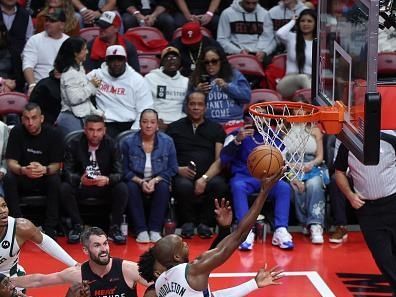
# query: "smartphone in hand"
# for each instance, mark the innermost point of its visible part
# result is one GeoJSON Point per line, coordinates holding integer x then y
{"type": "Point", "coordinates": [192, 166]}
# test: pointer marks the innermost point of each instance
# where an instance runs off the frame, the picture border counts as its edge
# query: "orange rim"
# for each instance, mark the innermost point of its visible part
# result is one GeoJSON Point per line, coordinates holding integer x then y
{"type": "Point", "coordinates": [331, 118]}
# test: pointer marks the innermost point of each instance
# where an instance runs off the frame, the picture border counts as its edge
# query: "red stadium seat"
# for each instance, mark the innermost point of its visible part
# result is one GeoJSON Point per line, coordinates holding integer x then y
{"type": "Point", "coordinates": [89, 33]}
{"type": "Point", "coordinates": [280, 62]}
{"type": "Point", "coordinates": [263, 95]}
{"type": "Point", "coordinates": [387, 64]}
{"type": "Point", "coordinates": [12, 102]}
{"type": "Point", "coordinates": [247, 64]}
{"type": "Point", "coordinates": [147, 33]}
{"type": "Point", "coordinates": [303, 93]}
{"type": "Point", "coordinates": [204, 31]}
{"type": "Point", "coordinates": [148, 63]}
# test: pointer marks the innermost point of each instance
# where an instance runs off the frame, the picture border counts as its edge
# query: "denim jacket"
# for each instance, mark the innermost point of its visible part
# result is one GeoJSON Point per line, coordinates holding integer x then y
{"type": "Point", "coordinates": [163, 157]}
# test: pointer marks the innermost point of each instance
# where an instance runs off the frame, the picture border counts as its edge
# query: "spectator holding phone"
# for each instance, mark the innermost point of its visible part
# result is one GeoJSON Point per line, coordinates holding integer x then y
{"type": "Point", "coordinates": [226, 89]}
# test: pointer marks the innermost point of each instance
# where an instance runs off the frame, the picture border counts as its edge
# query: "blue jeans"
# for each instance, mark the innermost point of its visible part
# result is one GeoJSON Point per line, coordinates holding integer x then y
{"type": "Point", "coordinates": [310, 204]}
{"type": "Point", "coordinates": [242, 186]}
{"type": "Point", "coordinates": [158, 207]}
{"type": "Point", "coordinates": [67, 122]}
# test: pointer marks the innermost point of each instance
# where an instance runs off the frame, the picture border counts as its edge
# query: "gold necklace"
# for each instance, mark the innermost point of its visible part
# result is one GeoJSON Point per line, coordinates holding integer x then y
{"type": "Point", "coordinates": [194, 61]}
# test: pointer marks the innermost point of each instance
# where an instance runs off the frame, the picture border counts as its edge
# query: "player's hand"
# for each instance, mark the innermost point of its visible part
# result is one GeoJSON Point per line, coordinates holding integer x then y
{"type": "Point", "coordinates": [268, 182]}
{"type": "Point", "coordinates": [355, 201]}
{"type": "Point", "coordinates": [245, 131]}
{"type": "Point", "coordinates": [266, 278]}
{"type": "Point", "coordinates": [223, 213]}
{"type": "Point", "coordinates": [187, 172]}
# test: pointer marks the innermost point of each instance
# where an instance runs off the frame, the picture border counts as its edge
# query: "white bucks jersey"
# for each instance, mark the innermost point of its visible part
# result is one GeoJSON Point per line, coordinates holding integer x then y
{"type": "Point", "coordinates": [9, 250]}
{"type": "Point", "coordinates": [173, 283]}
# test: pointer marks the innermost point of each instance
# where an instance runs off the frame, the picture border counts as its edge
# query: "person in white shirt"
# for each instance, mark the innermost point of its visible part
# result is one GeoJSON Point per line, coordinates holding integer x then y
{"type": "Point", "coordinates": [168, 87]}
{"type": "Point", "coordinates": [299, 52]}
{"type": "Point", "coordinates": [123, 93]}
{"type": "Point", "coordinates": [40, 51]}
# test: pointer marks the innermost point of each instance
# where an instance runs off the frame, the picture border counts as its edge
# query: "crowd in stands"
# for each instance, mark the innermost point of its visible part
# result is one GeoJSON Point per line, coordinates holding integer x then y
{"type": "Point", "coordinates": [189, 137]}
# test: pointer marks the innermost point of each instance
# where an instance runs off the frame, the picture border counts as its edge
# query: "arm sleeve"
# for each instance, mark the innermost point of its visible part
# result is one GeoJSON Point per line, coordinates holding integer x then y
{"type": "Point", "coordinates": [341, 161]}
{"type": "Point", "coordinates": [29, 54]}
{"type": "Point", "coordinates": [224, 35]}
{"type": "Point", "coordinates": [284, 32]}
{"type": "Point", "coordinates": [239, 88]}
{"type": "Point", "coordinates": [238, 291]}
{"type": "Point", "coordinates": [267, 42]}
{"type": "Point", "coordinates": [77, 90]}
{"type": "Point", "coordinates": [53, 249]}
{"type": "Point", "coordinates": [144, 100]}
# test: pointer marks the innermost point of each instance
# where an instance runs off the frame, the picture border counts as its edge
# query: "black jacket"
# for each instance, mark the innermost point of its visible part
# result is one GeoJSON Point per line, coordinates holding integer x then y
{"type": "Point", "coordinates": [47, 95]}
{"type": "Point", "coordinates": [77, 159]}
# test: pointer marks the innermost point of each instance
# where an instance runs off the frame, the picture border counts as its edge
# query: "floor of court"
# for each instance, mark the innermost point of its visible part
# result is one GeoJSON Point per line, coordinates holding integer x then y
{"type": "Point", "coordinates": [311, 270]}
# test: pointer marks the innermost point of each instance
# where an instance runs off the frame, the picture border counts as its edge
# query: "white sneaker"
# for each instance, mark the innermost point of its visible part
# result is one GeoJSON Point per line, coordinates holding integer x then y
{"type": "Point", "coordinates": [143, 237]}
{"type": "Point", "coordinates": [316, 234]}
{"type": "Point", "coordinates": [283, 239]}
{"type": "Point", "coordinates": [247, 245]}
{"type": "Point", "coordinates": [155, 236]}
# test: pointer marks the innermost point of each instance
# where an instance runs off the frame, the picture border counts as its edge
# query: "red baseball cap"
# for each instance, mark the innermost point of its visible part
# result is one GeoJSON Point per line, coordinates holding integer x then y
{"type": "Point", "coordinates": [191, 33]}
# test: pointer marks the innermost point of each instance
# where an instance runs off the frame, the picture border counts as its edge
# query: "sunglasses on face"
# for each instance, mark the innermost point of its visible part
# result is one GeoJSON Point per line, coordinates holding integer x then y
{"type": "Point", "coordinates": [212, 62]}
{"type": "Point", "coordinates": [49, 20]}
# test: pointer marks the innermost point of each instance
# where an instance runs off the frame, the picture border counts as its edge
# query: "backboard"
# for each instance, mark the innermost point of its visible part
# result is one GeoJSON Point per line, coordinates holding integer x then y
{"type": "Point", "coordinates": [345, 69]}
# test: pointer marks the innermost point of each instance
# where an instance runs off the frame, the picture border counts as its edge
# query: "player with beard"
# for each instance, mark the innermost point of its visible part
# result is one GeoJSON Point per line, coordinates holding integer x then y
{"type": "Point", "coordinates": [14, 232]}
{"type": "Point", "coordinates": [106, 276]}
{"type": "Point", "coordinates": [7, 289]}
{"type": "Point", "coordinates": [191, 279]}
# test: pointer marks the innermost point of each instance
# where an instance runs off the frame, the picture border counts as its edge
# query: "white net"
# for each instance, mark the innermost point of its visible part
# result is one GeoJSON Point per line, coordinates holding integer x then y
{"type": "Point", "coordinates": [288, 136]}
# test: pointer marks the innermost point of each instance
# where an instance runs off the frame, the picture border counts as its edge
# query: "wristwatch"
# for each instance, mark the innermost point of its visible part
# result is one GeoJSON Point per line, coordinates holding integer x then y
{"type": "Point", "coordinates": [205, 178]}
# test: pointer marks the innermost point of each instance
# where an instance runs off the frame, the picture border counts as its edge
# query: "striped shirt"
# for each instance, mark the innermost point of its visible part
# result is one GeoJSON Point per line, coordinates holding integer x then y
{"type": "Point", "coordinates": [371, 182]}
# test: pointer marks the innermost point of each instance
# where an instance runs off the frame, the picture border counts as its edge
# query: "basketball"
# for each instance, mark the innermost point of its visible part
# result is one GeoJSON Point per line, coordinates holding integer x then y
{"type": "Point", "coordinates": [264, 161]}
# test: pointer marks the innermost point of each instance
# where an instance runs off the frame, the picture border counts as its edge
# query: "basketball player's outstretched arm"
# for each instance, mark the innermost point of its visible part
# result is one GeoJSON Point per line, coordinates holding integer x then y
{"type": "Point", "coordinates": [26, 230]}
{"type": "Point", "coordinates": [201, 267]}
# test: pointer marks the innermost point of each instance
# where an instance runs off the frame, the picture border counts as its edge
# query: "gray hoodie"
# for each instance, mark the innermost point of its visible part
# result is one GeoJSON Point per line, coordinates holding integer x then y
{"type": "Point", "coordinates": [241, 30]}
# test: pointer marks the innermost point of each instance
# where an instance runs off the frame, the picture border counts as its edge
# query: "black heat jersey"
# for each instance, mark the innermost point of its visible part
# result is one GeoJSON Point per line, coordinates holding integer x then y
{"type": "Point", "coordinates": [111, 285]}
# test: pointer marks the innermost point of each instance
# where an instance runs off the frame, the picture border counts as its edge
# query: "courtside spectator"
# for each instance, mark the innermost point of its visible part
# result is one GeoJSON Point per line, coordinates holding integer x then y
{"type": "Point", "coordinates": [92, 168]}
{"type": "Point", "coordinates": [76, 89]}
{"type": "Point", "coordinates": [226, 89]}
{"type": "Point", "coordinates": [148, 13]}
{"type": "Point", "coordinates": [168, 87]}
{"type": "Point", "coordinates": [123, 93]}
{"type": "Point", "coordinates": [109, 24]}
{"type": "Point", "coordinates": [149, 161]}
{"type": "Point", "coordinates": [246, 27]}
{"type": "Point", "coordinates": [41, 49]}
{"type": "Point", "coordinates": [19, 28]}
{"type": "Point", "coordinates": [299, 52]}
{"type": "Point", "coordinates": [72, 26]}
{"type": "Point", "coordinates": [34, 155]}
{"type": "Point", "coordinates": [234, 154]}
{"type": "Point", "coordinates": [198, 144]}
{"type": "Point", "coordinates": [204, 12]}
{"type": "Point", "coordinates": [191, 45]}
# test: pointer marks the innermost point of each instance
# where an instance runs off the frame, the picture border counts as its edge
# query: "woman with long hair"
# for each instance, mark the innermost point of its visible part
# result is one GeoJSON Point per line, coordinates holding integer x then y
{"type": "Point", "coordinates": [76, 89]}
{"type": "Point", "coordinates": [149, 163]}
{"type": "Point", "coordinates": [299, 52]}
{"type": "Point", "coordinates": [72, 26]}
{"type": "Point", "coordinates": [226, 89]}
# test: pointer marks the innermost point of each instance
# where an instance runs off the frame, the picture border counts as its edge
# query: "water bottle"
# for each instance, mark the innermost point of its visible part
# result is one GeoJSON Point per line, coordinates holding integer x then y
{"type": "Point", "coordinates": [170, 223]}
{"type": "Point", "coordinates": [124, 226]}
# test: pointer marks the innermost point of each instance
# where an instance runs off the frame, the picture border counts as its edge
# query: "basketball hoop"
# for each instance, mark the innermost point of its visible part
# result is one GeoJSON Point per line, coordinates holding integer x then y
{"type": "Point", "coordinates": [288, 125]}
